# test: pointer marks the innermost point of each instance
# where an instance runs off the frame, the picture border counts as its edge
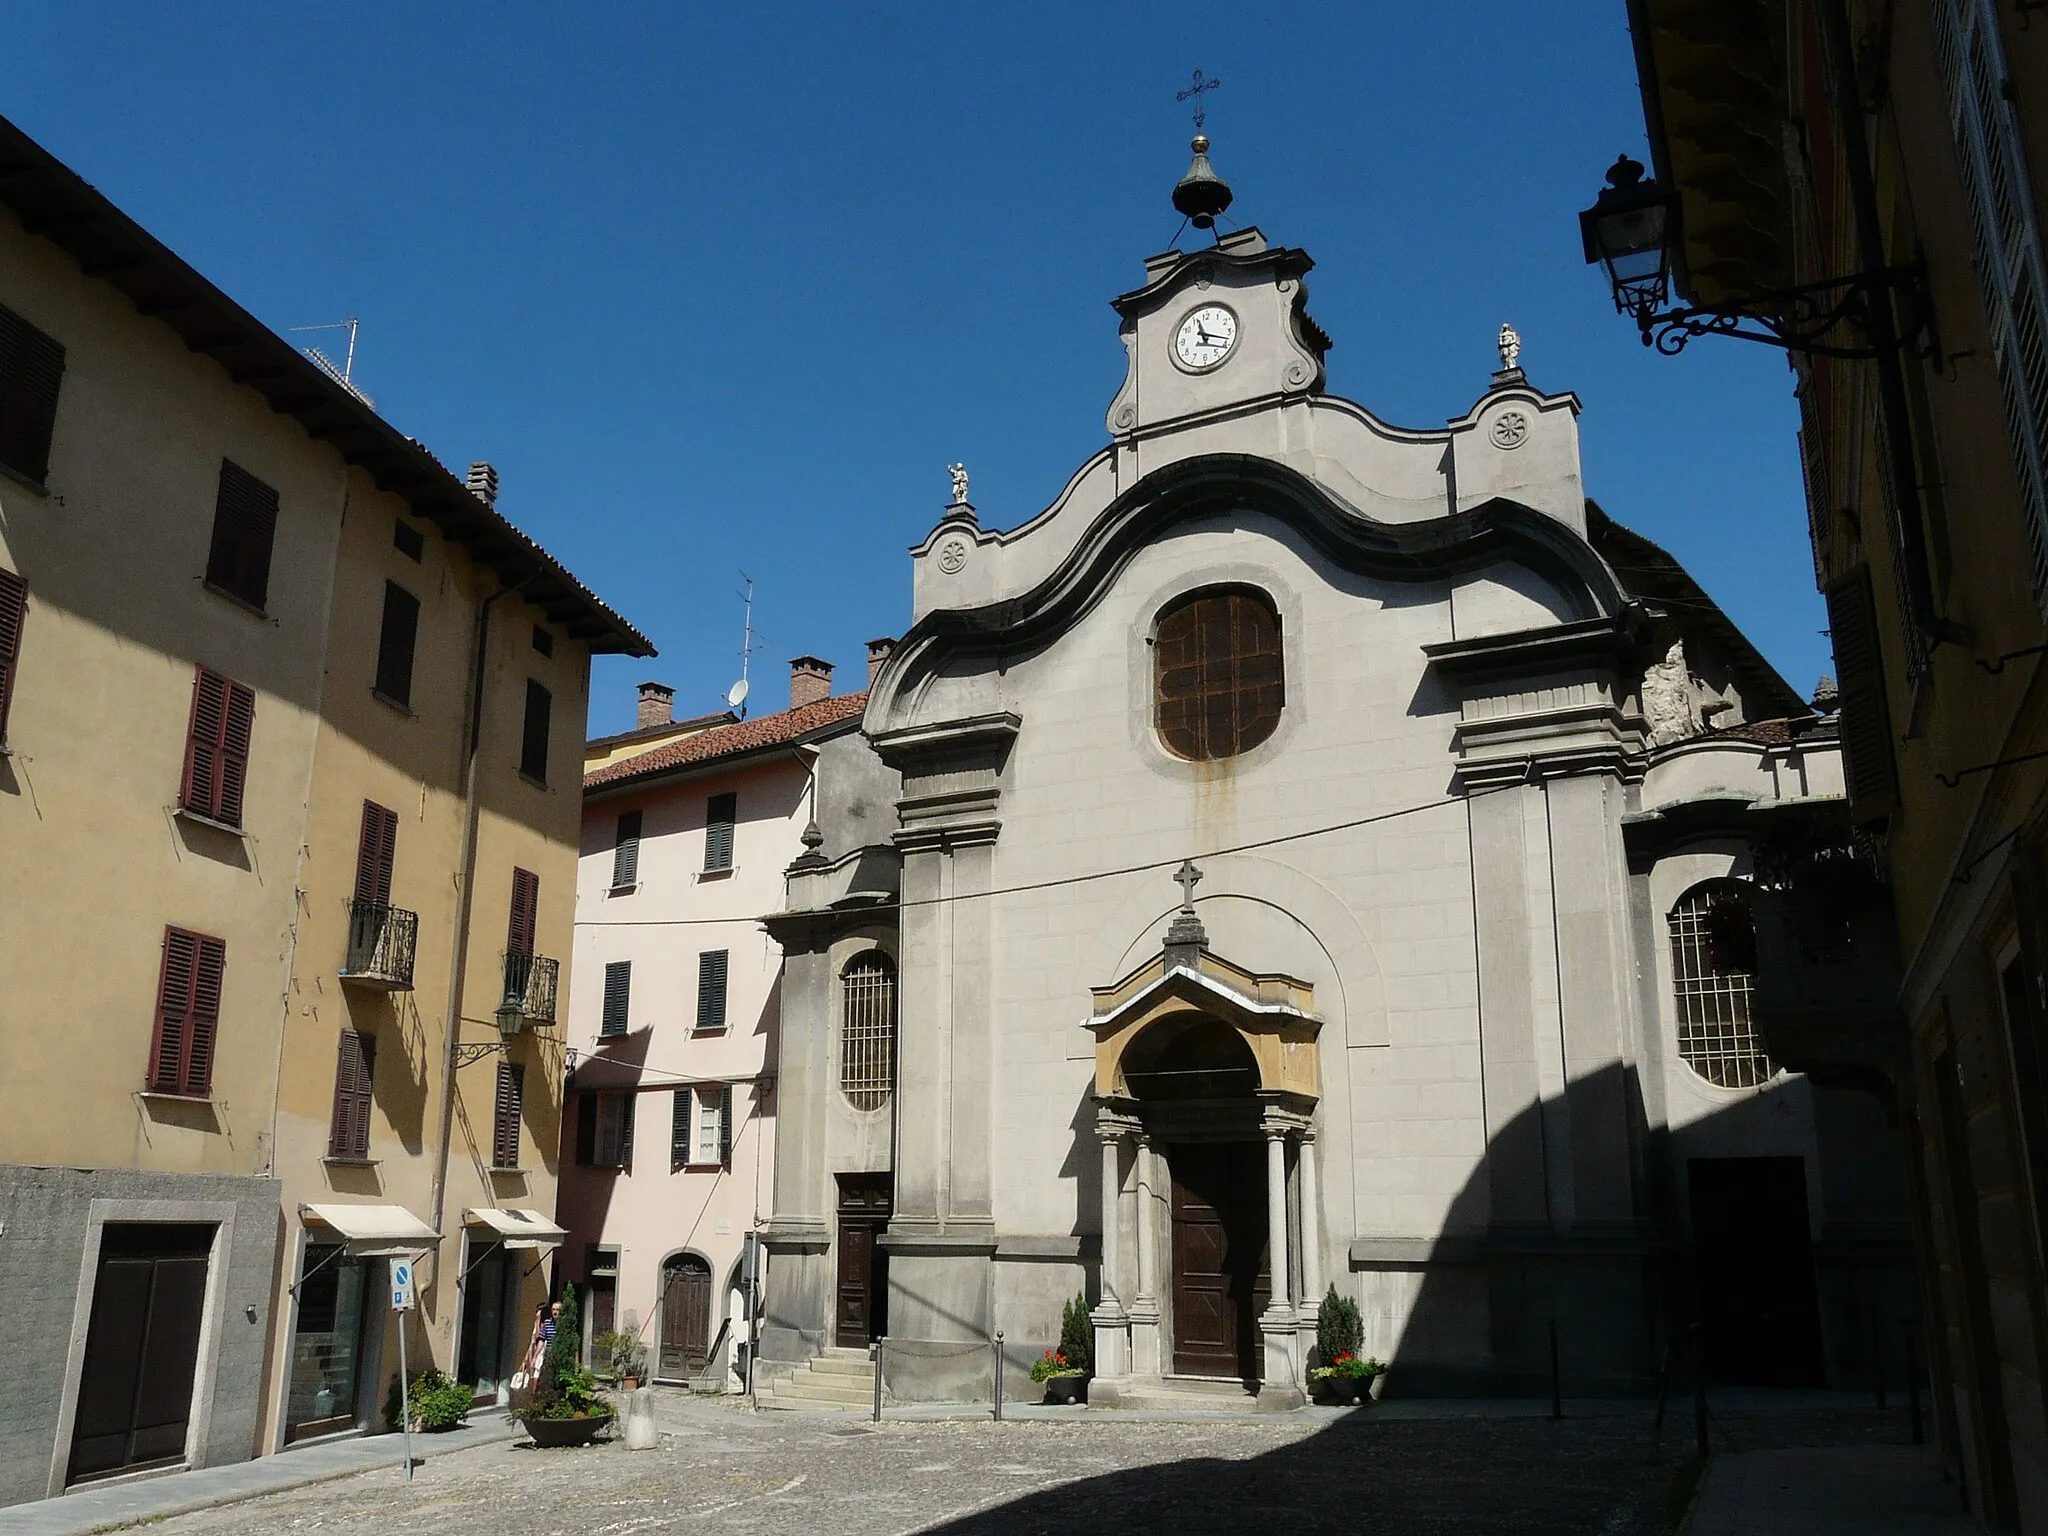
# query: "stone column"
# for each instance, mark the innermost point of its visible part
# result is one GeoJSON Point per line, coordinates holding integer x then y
{"type": "Point", "coordinates": [1112, 1320]}
{"type": "Point", "coordinates": [1145, 1362]}
{"type": "Point", "coordinates": [1281, 1384]}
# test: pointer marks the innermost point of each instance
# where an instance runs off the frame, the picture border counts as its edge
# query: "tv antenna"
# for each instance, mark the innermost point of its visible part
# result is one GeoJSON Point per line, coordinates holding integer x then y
{"type": "Point", "coordinates": [736, 695]}
{"type": "Point", "coordinates": [340, 372]}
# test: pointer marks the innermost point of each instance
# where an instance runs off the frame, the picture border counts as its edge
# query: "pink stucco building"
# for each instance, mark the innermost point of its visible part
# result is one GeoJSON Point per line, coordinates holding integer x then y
{"type": "Point", "coordinates": [668, 1132]}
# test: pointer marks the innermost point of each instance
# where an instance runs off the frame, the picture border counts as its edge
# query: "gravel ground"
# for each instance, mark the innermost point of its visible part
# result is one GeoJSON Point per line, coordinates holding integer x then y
{"type": "Point", "coordinates": [720, 1469]}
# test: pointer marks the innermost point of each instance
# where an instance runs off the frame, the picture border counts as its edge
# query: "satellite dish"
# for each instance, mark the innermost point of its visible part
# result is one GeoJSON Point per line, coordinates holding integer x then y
{"type": "Point", "coordinates": [736, 695]}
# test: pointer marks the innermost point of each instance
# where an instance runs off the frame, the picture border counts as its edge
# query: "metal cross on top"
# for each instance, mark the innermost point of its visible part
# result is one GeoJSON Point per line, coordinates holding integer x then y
{"type": "Point", "coordinates": [1187, 877]}
{"type": "Point", "coordinates": [1194, 93]}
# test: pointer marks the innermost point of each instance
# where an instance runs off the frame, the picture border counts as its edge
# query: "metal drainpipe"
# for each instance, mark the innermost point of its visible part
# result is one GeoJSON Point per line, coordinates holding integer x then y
{"type": "Point", "coordinates": [472, 813]}
{"type": "Point", "coordinates": [1845, 95]}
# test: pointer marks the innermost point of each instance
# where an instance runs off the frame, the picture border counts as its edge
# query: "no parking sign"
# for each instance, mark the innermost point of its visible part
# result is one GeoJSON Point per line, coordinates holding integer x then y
{"type": "Point", "coordinates": [401, 1285]}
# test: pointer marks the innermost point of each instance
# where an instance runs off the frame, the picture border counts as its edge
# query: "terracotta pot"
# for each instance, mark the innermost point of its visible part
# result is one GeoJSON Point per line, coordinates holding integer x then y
{"type": "Point", "coordinates": [1066, 1389]}
{"type": "Point", "coordinates": [552, 1434]}
{"type": "Point", "coordinates": [629, 1383]}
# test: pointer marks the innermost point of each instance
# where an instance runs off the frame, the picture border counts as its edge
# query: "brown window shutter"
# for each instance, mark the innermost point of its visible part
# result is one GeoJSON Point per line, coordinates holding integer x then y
{"type": "Point", "coordinates": [187, 1013]}
{"type": "Point", "coordinates": [396, 641]}
{"type": "Point", "coordinates": [1866, 713]}
{"type": "Point", "coordinates": [354, 1079]}
{"type": "Point", "coordinates": [13, 610]}
{"type": "Point", "coordinates": [375, 850]}
{"type": "Point", "coordinates": [217, 747]}
{"type": "Point", "coordinates": [244, 534]}
{"type": "Point", "coordinates": [505, 1122]}
{"type": "Point", "coordinates": [525, 918]}
{"type": "Point", "coordinates": [31, 373]}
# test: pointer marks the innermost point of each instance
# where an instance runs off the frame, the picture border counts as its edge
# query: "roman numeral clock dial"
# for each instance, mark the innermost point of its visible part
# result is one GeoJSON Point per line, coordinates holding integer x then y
{"type": "Point", "coordinates": [1205, 338]}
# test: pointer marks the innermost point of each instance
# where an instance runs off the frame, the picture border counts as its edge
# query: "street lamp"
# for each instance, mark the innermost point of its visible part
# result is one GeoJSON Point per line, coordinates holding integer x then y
{"type": "Point", "coordinates": [1628, 231]}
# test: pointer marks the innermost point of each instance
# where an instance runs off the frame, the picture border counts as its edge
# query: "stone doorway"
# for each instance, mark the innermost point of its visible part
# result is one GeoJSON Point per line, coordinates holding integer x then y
{"type": "Point", "coordinates": [1222, 1276]}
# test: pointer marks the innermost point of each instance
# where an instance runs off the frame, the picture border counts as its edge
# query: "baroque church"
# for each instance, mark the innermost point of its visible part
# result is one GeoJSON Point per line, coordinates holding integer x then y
{"type": "Point", "coordinates": [1310, 854]}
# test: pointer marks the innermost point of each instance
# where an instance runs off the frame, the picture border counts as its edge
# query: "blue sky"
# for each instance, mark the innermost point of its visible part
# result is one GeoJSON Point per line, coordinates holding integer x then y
{"type": "Point", "coordinates": [725, 287]}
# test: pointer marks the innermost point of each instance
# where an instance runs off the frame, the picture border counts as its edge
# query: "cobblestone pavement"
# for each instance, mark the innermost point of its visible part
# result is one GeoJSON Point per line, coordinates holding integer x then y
{"type": "Point", "coordinates": [720, 1469]}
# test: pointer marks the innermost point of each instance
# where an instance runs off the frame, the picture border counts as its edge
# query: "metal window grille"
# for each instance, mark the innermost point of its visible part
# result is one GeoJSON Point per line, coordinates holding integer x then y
{"type": "Point", "coordinates": [1715, 1035]}
{"type": "Point", "coordinates": [867, 1066]}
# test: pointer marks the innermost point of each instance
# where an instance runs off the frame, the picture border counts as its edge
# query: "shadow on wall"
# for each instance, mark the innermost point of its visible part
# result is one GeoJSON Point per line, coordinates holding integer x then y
{"type": "Point", "coordinates": [1624, 1235]}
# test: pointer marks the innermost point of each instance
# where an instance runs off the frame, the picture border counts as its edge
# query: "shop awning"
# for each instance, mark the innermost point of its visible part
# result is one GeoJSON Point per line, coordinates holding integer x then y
{"type": "Point", "coordinates": [517, 1228]}
{"type": "Point", "coordinates": [374, 1231]}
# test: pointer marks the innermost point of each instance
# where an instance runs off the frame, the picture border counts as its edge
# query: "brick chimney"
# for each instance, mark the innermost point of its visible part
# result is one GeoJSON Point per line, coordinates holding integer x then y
{"type": "Point", "coordinates": [657, 706]}
{"type": "Point", "coordinates": [809, 681]}
{"type": "Point", "coordinates": [483, 483]}
{"type": "Point", "coordinates": [879, 651]}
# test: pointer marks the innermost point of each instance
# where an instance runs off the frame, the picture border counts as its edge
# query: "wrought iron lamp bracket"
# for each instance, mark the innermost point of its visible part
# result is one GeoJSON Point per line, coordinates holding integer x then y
{"type": "Point", "coordinates": [1808, 319]}
{"type": "Point", "coordinates": [468, 1055]}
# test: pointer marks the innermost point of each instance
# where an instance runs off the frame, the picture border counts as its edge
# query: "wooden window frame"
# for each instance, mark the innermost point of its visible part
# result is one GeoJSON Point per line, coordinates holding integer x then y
{"type": "Point", "coordinates": [535, 731]}
{"type": "Point", "coordinates": [398, 635]}
{"type": "Point", "coordinates": [1219, 673]}
{"type": "Point", "coordinates": [185, 1040]}
{"type": "Point", "coordinates": [218, 737]}
{"type": "Point", "coordinates": [243, 545]}
{"type": "Point", "coordinates": [31, 380]}
{"type": "Point", "coordinates": [706, 1096]}
{"type": "Point", "coordinates": [13, 620]}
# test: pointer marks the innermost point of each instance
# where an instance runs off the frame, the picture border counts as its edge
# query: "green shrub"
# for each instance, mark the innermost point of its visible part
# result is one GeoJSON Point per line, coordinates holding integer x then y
{"type": "Point", "coordinates": [618, 1354]}
{"type": "Point", "coordinates": [565, 1390]}
{"type": "Point", "coordinates": [438, 1401]}
{"type": "Point", "coordinates": [1077, 1338]}
{"type": "Point", "coordinates": [1339, 1329]}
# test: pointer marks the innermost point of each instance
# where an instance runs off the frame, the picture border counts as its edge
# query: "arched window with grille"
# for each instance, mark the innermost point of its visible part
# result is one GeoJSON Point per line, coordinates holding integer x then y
{"type": "Point", "coordinates": [867, 1040]}
{"type": "Point", "coordinates": [1713, 964]}
{"type": "Point", "coordinates": [1218, 683]}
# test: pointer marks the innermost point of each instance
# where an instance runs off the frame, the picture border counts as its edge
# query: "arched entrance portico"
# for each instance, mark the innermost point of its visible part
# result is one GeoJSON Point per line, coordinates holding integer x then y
{"type": "Point", "coordinates": [1206, 1088]}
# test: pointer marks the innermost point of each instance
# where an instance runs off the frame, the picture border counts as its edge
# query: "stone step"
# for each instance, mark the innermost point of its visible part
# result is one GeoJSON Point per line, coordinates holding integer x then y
{"type": "Point", "coordinates": [838, 1365]}
{"type": "Point", "coordinates": [772, 1402]}
{"type": "Point", "coordinates": [823, 1390]}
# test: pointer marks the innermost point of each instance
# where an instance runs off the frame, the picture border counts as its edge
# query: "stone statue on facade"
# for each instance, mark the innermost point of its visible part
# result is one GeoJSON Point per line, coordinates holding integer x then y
{"type": "Point", "coordinates": [1510, 344]}
{"type": "Point", "coordinates": [959, 474]}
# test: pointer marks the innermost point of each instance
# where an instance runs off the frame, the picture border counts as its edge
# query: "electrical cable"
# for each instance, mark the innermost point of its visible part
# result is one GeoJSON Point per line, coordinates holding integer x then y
{"type": "Point", "coordinates": [899, 905]}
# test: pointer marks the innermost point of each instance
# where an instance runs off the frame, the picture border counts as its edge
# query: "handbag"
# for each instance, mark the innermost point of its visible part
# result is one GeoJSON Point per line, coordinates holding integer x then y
{"type": "Point", "coordinates": [521, 1379]}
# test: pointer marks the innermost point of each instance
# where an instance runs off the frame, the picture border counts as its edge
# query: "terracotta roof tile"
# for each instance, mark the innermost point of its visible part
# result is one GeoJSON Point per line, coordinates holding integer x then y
{"type": "Point", "coordinates": [729, 740]}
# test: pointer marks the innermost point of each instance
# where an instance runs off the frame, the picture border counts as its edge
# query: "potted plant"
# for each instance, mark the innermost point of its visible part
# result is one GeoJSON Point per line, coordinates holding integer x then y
{"type": "Point", "coordinates": [566, 1407]}
{"type": "Point", "coordinates": [618, 1357]}
{"type": "Point", "coordinates": [1064, 1371]}
{"type": "Point", "coordinates": [1341, 1374]}
{"type": "Point", "coordinates": [438, 1402]}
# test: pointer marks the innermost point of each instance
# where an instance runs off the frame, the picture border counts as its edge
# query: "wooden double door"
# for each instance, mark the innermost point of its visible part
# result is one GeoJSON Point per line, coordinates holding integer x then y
{"type": "Point", "coordinates": [1222, 1280]}
{"type": "Point", "coordinates": [141, 1348]}
{"type": "Point", "coordinates": [685, 1316]}
{"type": "Point", "coordinates": [862, 1311]}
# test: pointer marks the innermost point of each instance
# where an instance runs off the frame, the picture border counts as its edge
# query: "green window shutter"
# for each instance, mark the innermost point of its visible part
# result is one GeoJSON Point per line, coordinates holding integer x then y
{"type": "Point", "coordinates": [626, 851]}
{"type": "Point", "coordinates": [586, 1129]}
{"type": "Point", "coordinates": [720, 813]}
{"type": "Point", "coordinates": [1866, 714]}
{"type": "Point", "coordinates": [679, 1130]}
{"type": "Point", "coordinates": [626, 1108]}
{"type": "Point", "coordinates": [711, 974]}
{"type": "Point", "coordinates": [31, 373]}
{"type": "Point", "coordinates": [725, 1126]}
{"type": "Point", "coordinates": [396, 642]}
{"type": "Point", "coordinates": [244, 535]}
{"type": "Point", "coordinates": [618, 989]}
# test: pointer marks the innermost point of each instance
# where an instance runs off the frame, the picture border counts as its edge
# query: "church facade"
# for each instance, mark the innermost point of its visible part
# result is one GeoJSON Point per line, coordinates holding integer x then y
{"type": "Point", "coordinates": [1311, 853]}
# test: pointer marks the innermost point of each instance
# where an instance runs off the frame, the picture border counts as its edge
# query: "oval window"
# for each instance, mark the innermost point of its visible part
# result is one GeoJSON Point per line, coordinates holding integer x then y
{"type": "Point", "coordinates": [1217, 680]}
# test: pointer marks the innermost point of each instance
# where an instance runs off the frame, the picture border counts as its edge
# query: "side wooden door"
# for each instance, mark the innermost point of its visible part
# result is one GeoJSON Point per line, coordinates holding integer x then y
{"type": "Point", "coordinates": [685, 1316]}
{"type": "Point", "coordinates": [142, 1349]}
{"type": "Point", "coordinates": [1221, 1282]}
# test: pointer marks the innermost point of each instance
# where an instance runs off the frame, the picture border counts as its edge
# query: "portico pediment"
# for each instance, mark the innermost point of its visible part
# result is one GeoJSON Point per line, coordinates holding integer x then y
{"type": "Point", "coordinates": [1274, 1015]}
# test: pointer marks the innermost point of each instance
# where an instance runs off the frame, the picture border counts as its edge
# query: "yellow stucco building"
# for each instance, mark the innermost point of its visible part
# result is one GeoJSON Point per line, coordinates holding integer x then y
{"type": "Point", "coordinates": [291, 724]}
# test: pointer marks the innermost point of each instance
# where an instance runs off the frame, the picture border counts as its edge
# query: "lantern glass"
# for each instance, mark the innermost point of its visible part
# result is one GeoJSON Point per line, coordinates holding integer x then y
{"type": "Point", "coordinates": [1628, 232]}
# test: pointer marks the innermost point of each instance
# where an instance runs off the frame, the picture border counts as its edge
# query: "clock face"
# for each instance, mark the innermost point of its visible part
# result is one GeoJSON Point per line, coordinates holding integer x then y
{"type": "Point", "coordinates": [1205, 337]}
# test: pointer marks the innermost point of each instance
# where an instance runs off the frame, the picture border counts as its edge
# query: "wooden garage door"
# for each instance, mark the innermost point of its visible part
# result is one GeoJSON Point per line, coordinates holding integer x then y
{"type": "Point", "coordinates": [141, 1348]}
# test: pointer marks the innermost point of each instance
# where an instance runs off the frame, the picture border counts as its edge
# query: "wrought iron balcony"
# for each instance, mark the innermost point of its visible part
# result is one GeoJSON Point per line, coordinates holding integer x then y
{"type": "Point", "coordinates": [530, 988]}
{"type": "Point", "coordinates": [381, 941]}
